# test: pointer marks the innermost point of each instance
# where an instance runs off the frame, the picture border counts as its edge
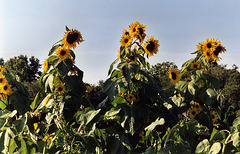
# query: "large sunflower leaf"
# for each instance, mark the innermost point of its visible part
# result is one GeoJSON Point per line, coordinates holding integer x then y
{"type": "Point", "coordinates": [130, 69]}
{"type": "Point", "coordinates": [111, 66]}
{"type": "Point", "coordinates": [53, 49]}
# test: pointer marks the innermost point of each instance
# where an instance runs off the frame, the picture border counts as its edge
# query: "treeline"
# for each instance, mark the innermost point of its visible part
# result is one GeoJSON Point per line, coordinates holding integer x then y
{"type": "Point", "coordinates": [28, 70]}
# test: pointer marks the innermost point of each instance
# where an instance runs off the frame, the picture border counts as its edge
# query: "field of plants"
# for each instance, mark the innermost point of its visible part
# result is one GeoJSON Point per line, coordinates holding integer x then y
{"type": "Point", "coordinates": [137, 115]}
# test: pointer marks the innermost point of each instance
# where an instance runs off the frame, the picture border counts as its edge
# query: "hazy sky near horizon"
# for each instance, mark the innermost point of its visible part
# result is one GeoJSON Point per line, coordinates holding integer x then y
{"type": "Point", "coordinates": [32, 27]}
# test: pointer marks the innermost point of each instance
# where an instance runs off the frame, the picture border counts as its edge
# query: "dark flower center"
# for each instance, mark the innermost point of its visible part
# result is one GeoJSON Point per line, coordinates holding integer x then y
{"type": "Point", "coordinates": [150, 46]}
{"type": "Point", "coordinates": [63, 52]}
{"type": "Point", "coordinates": [209, 45]}
{"type": "Point", "coordinates": [195, 66]}
{"type": "Point", "coordinates": [132, 57]}
{"type": "Point", "coordinates": [60, 89]}
{"type": "Point", "coordinates": [72, 37]}
{"type": "Point", "coordinates": [174, 76]}
{"type": "Point", "coordinates": [126, 40]}
{"type": "Point", "coordinates": [193, 112]}
{"type": "Point", "coordinates": [1, 80]}
{"type": "Point", "coordinates": [5, 87]}
{"type": "Point", "coordinates": [197, 106]}
{"type": "Point", "coordinates": [218, 50]}
{"type": "Point", "coordinates": [126, 33]}
{"type": "Point", "coordinates": [208, 53]}
{"type": "Point", "coordinates": [134, 29]}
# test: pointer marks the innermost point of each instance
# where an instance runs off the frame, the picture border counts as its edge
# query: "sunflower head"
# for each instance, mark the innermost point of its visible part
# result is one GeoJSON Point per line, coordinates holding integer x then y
{"type": "Point", "coordinates": [125, 32]}
{"type": "Point", "coordinates": [71, 39]}
{"type": "Point", "coordinates": [35, 125]}
{"type": "Point", "coordinates": [219, 49]}
{"type": "Point", "coordinates": [207, 54]}
{"type": "Point", "coordinates": [133, 29]}
{"type": "Point", "coordinates": [63, 53]}
{"type": "Point", "coordinates": [151, 46]}
{"type": "Point", "coordinates": [131, 98]}
{"type": "Point", "coordinates": [141, 32]}
{"type": "Point", "coordinates": [3, 80]}
{"type": "Point", "coordinates": [1, 69]}
{"type": "Point", "coordinates": [121, 94]}
{"type": "Point", "coordinates": [60, 89]}
{"type": "Point", "coordinates": [126, 41]}
{"type": "Point", "coordinates": [197, 106]}
{"type": "Point", "coordinates": [174, 75]}
{"type": "Point", "coordinates": [6, 89]}
{"type": "Point", "coordinates": [47, 138]}
{"type": "Point", "coordinates": [199, 46]}
{"type": "Point", "coordinates": [45, 64]}
{"type": "Point", "coordinates": [193, 112]}
{"type": "Point", "coordinates": [194, 65]}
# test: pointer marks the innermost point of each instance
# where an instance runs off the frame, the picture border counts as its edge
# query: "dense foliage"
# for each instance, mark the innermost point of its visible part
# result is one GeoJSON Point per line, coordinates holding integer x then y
{"type": "Point", "coordinates": [140, 111]}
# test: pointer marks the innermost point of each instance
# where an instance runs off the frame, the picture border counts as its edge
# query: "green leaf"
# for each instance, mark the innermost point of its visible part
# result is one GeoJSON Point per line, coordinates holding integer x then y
{"type": "Point", "coordinates": [20, 102]}
{"type": "Point", "coordinates": [111, 66]}
{"type": "Point", "coordinates": [64, 67]}
{"type": "Point", "coordinates": [35, 102]}
{"type": "Point", "coordinates": [182, 86]}
{"type": "Point", "coordinates": [203, 147]}
{"type": "Point", "coordinates": [158, 121]}
{"type": "Point", "coordinates": [20, 123]}
{"type": "Point", "coordinates": [12, 146]}
{"type": "Point", "coordinates": [236, 139]}
{"type": "Point", "coordinates": [86, 118]}
{"type": "Point", "coordinates": [130, 70]}
{"type": "Point", "coordinates": [110, 114]}
{"type": "Point", "coordinates": [216, 148]}
{"type": "Point", "coordinates": [118, 100]}
{"type": "Point", "coordinates": [4, 115]}
{"type": "Point", "coordinates": [109, 88]}
{"type": "Point", "coordinates": [236, 122]}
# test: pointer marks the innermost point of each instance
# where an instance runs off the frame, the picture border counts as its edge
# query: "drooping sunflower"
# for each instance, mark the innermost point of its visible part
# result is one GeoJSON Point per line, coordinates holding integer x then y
{"type": "Point", "coordinates": [3, 80]}
{"type": "Point", "coordinates": [6, 89]}
{"type": "Point", "coordinates": [151, 46]}
{"type": "Point", "coordinates": [45, 64]}
{"type": "Point", "coordinates": [60, 89]}
{"type": "Point", "coordinates": [1, 69]}
{"type": "Point", "coordinates": [219, 49]}
{"type": "Point", "coordinates": [126, 40]}
{"type": "Point", "coordinates": [71, 39]}
{"type": "Point", "coordinates": [214, 116]}
{"type": "Point", "coordinates": [174, 75]}
{"type": "Point", "coordinates": [194, 65]}
{"type": "Point", "coordinates": [63, 53]}
{"type": "Point", "coordinates": [141, 32]}
{"type": "Point", "coordinates": [193, 112]}
{"type": "Point", "coordinates": [131, 98]}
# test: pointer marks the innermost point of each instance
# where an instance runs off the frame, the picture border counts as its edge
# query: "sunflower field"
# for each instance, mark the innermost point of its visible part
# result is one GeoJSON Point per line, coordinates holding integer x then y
{"type": "Point", "coordinates": [137, 116]}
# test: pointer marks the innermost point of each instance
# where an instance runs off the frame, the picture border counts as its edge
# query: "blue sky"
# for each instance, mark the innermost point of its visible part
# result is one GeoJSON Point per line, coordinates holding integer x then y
{"type": "Point", "coordinates": [32, 27]}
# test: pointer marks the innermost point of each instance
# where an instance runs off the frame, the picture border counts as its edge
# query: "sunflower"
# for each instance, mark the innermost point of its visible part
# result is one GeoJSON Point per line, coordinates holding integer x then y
{"type": "Point", "coordinates": [174, 75]}
{"type": "Point", "coordinates": [193, 112]}
{"type": "Point", "coordinates": [188, 79]}
{"type": "Point", "coordinates": [194, 65]}
{"type": "Point", "coordinates": [6, 89]}
{"type": "Point", "coordinates": [219, 49]}
{"type": "Point", "coordinates": [141, 32]}
{"type": "Point", "coordinates": [47, 138]}
{"type": "Point", "coordinates": [128, 60]}
{"type": "Point", "coordinates": [60, 89]}
{"type": "Point", "coordinates": [179, 95]}
{"type": "Point", "coordinates": [207, 54]}
{"type": "Point", "coordinates": [3, 80]}
{"type": "Point", "coordinates": [126, 41]}
{"type": "Point", "coordinates": [141, 137]}
{"type": "Point", "coordinates": [121, 94]}
{"type": "Point", "coordinates": [71, 38]}
{"type": "Point", "coordinates": [35, 125]}
{"type": "Point", "coordinates": [45, 64]}
{"type": "Point", "coordinates": [151, 46]}
{"type": "Point", "coordinates": [133, 29]}
{"type": "Point", "coordinates": [1, 69]}
{"type": "Point", "coordinates": [199, 46]}
{"type": "Point", "coordinates": [130, 97]}
{"type": "Point", "coordinates": [197, 106]}
{"type": "Point", "coordinates": [202, 83]}
{"type": "Point", "coordinates": [3, 96]}
{"type": "Point", "coordinates": [214, 116]}
{"type": "Point", "coordinates": [125, 32]}
{"type": "Point", "coordinates": [209, 45]}
{"type": "Point", "coordinates": [63, 53]}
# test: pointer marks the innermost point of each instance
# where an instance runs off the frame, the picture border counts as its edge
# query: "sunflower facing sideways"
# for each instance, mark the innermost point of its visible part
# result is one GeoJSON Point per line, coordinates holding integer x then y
{"type": "Point", "coordinates": [71, 39]}
{"type": "Point", "coordinates": [1, 69]}
{"type": "Point", "coordinates": [219, 49]}
{"type": "Point", "coordinates": [151, 46]}
{"type": "Point", "coordinates": [214, 116]}
{"type": "Point", "coordinates": [174, 75]}
{"type": "Point", "coordinates": [45, 64]}
{"type": "Point", "coordinates": [63, 53]}
{"type": "Point", "coordinates": [3, 80]}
